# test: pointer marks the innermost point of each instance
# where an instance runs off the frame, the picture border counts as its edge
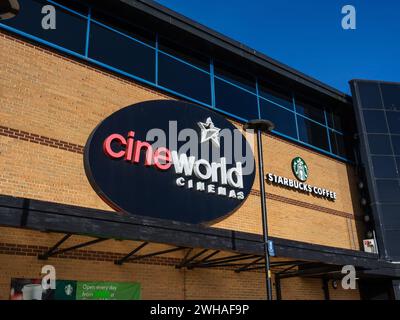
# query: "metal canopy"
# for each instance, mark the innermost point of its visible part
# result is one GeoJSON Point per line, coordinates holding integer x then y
{"type": "Point", "coordinates": [55, 251]}
{"type": "Point", "coordinates": [246, 248]}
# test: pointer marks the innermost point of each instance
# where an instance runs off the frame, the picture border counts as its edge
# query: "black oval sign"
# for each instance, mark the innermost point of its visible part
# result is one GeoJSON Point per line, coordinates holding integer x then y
{"type": "Point", "coordinates": [171, 160]}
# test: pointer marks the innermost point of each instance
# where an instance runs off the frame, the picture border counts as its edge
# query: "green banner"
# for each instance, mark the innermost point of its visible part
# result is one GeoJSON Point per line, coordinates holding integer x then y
{"type": "Point", "coordinates": [31, 289]}
{"type": "Point", "coordinates": [107, 291]}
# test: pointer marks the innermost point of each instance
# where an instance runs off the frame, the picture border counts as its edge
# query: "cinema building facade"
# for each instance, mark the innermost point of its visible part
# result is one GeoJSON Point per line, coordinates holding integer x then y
{"type": "Point", "coordinates": [331, 163]}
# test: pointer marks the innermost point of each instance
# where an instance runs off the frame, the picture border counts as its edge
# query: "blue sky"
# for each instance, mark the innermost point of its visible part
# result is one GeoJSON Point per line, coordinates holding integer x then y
{"type": "Point", "coordinates": [307, 34]}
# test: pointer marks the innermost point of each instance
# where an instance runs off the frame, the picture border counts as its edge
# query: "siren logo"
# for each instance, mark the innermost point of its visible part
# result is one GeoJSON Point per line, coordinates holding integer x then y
{"type": "Point", "coordinates": [171, 160]}
{"type": "Point", "coordinates": [300, 169]}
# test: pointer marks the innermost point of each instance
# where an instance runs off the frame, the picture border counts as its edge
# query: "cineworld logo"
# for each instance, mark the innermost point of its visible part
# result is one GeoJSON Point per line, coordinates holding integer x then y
{"type": "Point", "coordinates": [162, 158]}
{"type": "Point", "coordinates": [171, 160]}
{"type": "Point", "coordinates": [301, 171]}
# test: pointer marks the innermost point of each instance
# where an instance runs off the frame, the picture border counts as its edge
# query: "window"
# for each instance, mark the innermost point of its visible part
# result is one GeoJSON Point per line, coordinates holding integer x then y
{"type": "Point", "coordinates": [375, 121]}
{"type": "Point", "coordinates": [312, 133]}
{"type": "Point", "coordinates": [384, 166]}
{"type": "Point", "coordinates": [182, 78]}
{"type": "Point", "coordinates": [370, 95]}
{"type": "Point", "coordinates": [391, 214]}
{"type": "Point", "coordinates": [235, 101]}
{"type": "Point", "coordinates": [275, 94]}
{"type": "Point", "coordinates": [239, 78]}
{"type": "Point", "coordinates": [126, 27]}
{"type": "Point", "coordinates": [393, 118]}
{"type": "Point", "coordinates": [340, 145]}
{"type": "Point", "coordinates": [121, 52]}
{"type": "Point", "coordinates": [184, 53]}
{"type": "Point", "coordinates": [379, 144]}
{"type": "Point", "coordinates": [310, 110]}
{"type": "Point", "coordinates": [283, 119]}
{"type": "Point", "coordinates": [391, 96]}
{"type": "Point", "coordinates": [388, 190]}
{"type": "Point", "coordinates": [396, 144]}
{"type": "Point", "coordinates": [74, 5]}
{"type": "Point", "coordinates": [336, 118]}
{"type": "Point", "coordinates": [70, 32]}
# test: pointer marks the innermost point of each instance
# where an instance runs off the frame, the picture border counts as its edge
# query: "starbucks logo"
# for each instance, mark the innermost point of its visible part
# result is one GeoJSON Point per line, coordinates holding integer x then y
{"type": "Point", "coordinates": [68, 289]}
{"type": "Point", "coordinates": [300, 169]}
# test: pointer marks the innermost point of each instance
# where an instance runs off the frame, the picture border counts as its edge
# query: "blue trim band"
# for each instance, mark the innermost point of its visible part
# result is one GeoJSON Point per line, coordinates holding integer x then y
{"type": "Point", "coordinates": [88, 33]}
{"type": "Point", "coordinates": [327, 131]}
{"type": "Point", "coordinates": [156, 62]}
{"type": "Point", "coordinates": [212, 83]}
{"type": "Point", "coordinates": [258, 100]}
{"type": "Point", "coordinates": [295, 118]}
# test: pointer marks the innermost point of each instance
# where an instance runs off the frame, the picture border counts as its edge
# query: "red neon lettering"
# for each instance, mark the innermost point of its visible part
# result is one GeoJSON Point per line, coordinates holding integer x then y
{"type": "Point", "coordinates": [161, 158]}
{"type": "Point", "coordinates": [149, 152]}
{"type": "Point", "coordinates": [107, 146]}
{"type": "Point", "coordinates": [129, 147]}
{"type": "Point", "coordinates": [164, 155]}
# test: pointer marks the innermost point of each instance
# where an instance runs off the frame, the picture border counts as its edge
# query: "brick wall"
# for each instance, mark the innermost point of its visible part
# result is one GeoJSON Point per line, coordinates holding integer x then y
{"type": "Point", "coordinates": [158, 276]}
{"type": "Point", "coordinates": [49, 106]}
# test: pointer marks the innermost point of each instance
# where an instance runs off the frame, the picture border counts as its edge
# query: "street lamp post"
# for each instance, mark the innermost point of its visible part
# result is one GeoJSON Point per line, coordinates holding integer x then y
{"type": "Point", "coordinates": [259, 126]}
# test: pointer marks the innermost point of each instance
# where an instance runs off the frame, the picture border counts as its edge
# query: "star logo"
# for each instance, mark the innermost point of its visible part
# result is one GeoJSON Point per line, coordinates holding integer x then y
{"type": "Point", "coordinates": [209, 132]}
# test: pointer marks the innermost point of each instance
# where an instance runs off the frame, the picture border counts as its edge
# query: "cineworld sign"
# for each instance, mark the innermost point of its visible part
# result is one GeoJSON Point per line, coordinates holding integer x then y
{"type": "Point", "coordinates": [171, 160]}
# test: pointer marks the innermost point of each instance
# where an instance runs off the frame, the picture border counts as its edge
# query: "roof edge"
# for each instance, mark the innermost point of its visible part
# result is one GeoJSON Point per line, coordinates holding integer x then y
{"type": "Point", "coordinates": [172, 17]}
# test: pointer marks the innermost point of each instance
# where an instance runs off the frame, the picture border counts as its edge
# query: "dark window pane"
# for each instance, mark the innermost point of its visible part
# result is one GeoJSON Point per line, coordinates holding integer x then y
{"type": "Point", "coordinates": [370, 95]}
{"type": "Point", "coordinates": [390, 214]}
{"type": "Point", "coordinates": [379, 144]}
{"type": "Point", "coordinates": [335, 120]}
{"type": "Point", "coordinates": [393, 118]}
{"type": "Point", "coordinates": [340, 118]}
{"type": "Point", "coordinates": [74, 5]}
{"type": "Point", "coordinates": [126, 27]}
{"type": "Point", "coordinates": [391, 96]}
{"type": "Point", "coordinates": [184, 79]}
{"type": "Point", "coordinates": [384, 167]}
{"type": "Point", "coordinates": [398, 163]}
{"type": "Point", "coordinates": [70, 31]}
{"type": "Point", "coordinates": [388, 190]}
{"type": "Point", "coordinates": [235, 76]}
{"type": "Point", "coordinates": [184, 53]}
{"type": "Point", "coordinates": [275, 94]}
{"type": "Point", "coordinates": [312, 133]}
{"type": "Point", "coordinates": [396, 144]}
{"type": "Point", "coordinates": [392, 240]}
{"type": "Point", "coordinates": [310, 110]}
{"type": "Point", "coordinates": [235, 101]}
{"type": "Point", "coordinates": [283, 119]}
{"type": "Point", "coordinates": [375, 121]}
{"type": "Point", "coordinates": [121, 52]}
{"type": "Point", "coordinates": [341, 145]}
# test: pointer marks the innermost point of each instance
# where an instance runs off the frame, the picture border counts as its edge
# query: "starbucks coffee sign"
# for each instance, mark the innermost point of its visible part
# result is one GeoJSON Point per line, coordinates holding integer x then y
{"type": "Point", "coordinates": [301, 171]}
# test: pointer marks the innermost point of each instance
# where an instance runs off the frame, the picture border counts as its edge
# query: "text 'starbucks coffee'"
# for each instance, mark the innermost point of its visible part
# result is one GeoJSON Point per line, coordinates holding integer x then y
{"type": "Point", "coordinates": [171, 160]}
{"type": "Point", "coordinates": [301, 171]}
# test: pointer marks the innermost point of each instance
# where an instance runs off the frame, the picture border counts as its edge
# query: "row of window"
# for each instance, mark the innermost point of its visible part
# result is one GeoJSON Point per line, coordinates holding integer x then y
{"type": "Point", "coordinates": [143, 55]}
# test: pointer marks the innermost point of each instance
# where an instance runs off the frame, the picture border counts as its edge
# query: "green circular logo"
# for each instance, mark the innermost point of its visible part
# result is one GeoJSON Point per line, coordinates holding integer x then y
{"type": "Point", "coordinates": [300, 169]}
